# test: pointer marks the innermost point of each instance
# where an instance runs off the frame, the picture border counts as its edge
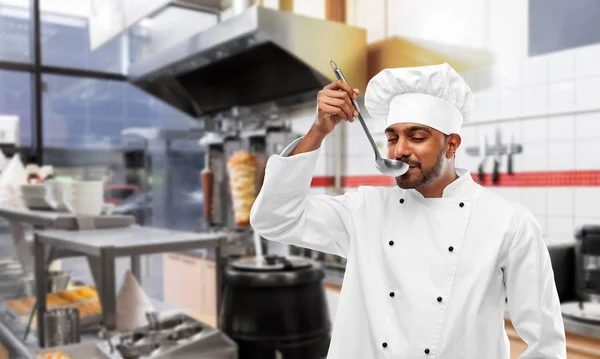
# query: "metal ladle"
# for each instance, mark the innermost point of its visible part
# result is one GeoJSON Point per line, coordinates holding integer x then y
{"type": "Point", "coordinates": [393, 168]}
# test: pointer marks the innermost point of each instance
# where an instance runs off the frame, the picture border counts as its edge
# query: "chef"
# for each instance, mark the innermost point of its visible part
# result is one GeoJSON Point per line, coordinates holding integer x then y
{"type": "Point", "coordinates": [434, 263]}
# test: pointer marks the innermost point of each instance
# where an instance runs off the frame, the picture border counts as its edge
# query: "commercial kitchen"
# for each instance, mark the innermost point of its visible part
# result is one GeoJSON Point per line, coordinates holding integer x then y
{"type": "Point", "coordinates": [134, 137]}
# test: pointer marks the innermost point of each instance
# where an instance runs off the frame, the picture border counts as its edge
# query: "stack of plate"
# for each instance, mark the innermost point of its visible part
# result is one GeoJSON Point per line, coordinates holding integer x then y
{"type": "Point", "coordinates": [35, 196]}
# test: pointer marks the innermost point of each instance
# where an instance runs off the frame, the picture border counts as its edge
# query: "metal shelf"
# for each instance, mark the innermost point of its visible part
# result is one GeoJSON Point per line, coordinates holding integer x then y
{"type": "Point", "coordinates": [63, 220]}
{"type": "Point", "coordinates": [102, 247]}
{"type": "Point", "coordinates": [130, 241]}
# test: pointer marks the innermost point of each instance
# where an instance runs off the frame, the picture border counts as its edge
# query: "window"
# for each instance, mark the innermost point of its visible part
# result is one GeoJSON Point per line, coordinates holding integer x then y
{"type": "Point", "coordinates": [556, 25]}
{"type": "Point", "coordinates": [15, 31]}
{"type": "Point", "coordinates": [66, 38]}
{"type": "Point", "coordinates": [91, 113]}
{"type": "Point", "coordinates": [15, 100]}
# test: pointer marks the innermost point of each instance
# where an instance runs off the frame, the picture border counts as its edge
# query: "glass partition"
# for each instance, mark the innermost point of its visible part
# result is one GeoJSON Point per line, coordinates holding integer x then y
{"type": "Point", "coordinates": [15, 31]}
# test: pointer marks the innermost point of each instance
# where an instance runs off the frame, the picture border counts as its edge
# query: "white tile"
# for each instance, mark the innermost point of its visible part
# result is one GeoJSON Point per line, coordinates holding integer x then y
{"type": "Point", "coordinates": [587, 125]}
{"type": "Point", "coordinates": [470, 77]}
{"type": "Point", "coordinates": [561, 96]}
{"type": "Point", "coordinates": [509, 74]}
{"type": "Point", "coordinates": [587, 92]}
{"type": "Point", "coordinates": [359, 165]}
{"type": "Point", "coordinates": [560, 226]}
{"type": "Point", "coordinates": [535, 157]}
{"type": "Point", "coordinates": [535, 71]}
{"type": "Point", "coordinates": [518, 163]}
{"type": "Point", "coordinates": [535, 130]}
{"type": "Point", "coordinates": [486, 78]}
{"type": "Point", "coordinates": [463, 160]}
{"type": "Point", "coordinates": [358, 145]}
{"type": "Point", "coordinates": [511, 193]}
{"type": "Point", "coordinates": [510, 102]}
{"type": "Point", "coordinates": [541, 219]}
{"type": "Point", "coordinates": [560, 156]}
{"type": "Point", "coordinates": [586, 221]}
{"type": "Point", "coordinates": [587, 61]}
{"type": "Point", "coordinates": [317, 190]}
{"type": "Point", "coordinates": [514, 127]}
{"type": "Point", "coordinates": [586, 201]}
{"type": "Point", "coordinates": [488, 104]}
{"type": "Point", "coordinates": [561, 66]}
{"type": "Point", "coordinates": [535, 200]}
{"type": "Point", "coordinates": [560, 201]}
{"type": "Point", "coordinates": [587, 155]}
{"type": "Point", "coordinates": [535, 100]}
{"type": "Point", "coordinates": [469, 135]}
{"type": "Point", "coordinates": [561, 127]}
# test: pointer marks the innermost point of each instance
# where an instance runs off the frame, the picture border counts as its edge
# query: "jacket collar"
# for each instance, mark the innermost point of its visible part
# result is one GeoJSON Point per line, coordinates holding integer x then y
{"type": "Point", "coordinates": [463, 186]}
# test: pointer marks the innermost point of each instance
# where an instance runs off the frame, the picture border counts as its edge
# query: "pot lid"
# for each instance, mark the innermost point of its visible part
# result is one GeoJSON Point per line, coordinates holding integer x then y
{"type": "Point", "coordinates": [270, 263]}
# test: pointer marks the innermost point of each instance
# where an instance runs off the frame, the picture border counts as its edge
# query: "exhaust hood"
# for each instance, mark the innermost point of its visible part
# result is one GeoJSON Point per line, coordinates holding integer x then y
{"type": "Point", "coordinates": [261, 56]}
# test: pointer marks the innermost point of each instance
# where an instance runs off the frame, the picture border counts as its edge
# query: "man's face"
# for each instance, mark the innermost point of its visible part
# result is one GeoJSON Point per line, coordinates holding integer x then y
{"type": "Point", "coordinates": [422, 147]}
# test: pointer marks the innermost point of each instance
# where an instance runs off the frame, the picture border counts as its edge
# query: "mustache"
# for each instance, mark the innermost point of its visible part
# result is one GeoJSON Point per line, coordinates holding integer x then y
{"type": "Point", "coordinates": [409, 162]}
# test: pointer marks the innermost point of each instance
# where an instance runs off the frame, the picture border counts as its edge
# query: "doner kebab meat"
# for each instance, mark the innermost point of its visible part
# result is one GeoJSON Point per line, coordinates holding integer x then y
{"type": "Point", "coordinates": [241, 168]}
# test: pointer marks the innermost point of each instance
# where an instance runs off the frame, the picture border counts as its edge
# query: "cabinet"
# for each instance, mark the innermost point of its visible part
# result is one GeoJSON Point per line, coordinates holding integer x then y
{"type": "Point", "coordinates": [190, 283]}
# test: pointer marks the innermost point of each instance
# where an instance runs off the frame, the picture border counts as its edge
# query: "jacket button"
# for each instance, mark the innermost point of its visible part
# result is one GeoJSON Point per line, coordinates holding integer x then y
{"type": "Point", "coordinates": [391, 243]}
{"type": "Point", "coordinates": [392, 294]}
{"type": "Point", "coordinates": [384, 345]}
{"type": "Point", "coordinates": [426, 351]}
{"type": "Point", "coordinates": [450, 248]}
{"type": "Point", "coordinates": [461, 205]}
{"type": "Point", "coordinates": [439, 299]}
{"type": "Point", "coordinates": [401, 200]}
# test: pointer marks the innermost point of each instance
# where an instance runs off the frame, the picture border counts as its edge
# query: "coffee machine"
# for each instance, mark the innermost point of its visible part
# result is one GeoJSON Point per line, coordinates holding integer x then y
{"type": "Point", "coordinates": [587, 276]}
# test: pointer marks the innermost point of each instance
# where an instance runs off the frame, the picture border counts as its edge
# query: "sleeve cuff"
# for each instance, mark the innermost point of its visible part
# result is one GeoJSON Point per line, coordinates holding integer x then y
{"type": "Point", "coordinates": [291, 147]}
{"type": "Point", "coordinates": [291, 173]}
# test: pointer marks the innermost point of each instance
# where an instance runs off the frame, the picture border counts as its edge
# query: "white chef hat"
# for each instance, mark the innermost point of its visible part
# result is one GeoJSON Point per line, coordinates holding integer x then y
{"type": "Point", "coordinates": [435, 96]}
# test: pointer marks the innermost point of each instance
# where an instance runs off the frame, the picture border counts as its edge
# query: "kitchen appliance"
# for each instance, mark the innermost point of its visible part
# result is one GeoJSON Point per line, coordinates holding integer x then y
{"type": "Point", "coordinates": [388, 167]}
{"type": "Point", "coordinates": [274, 307]}
{"type": "Point", "coordinates": [261, 56]}
{"type": "Point", "coordinates": [175, 336]}
{"type": "Point", "coordinates": [587, 263]}
{"type": "Point", "coordinates": [562, 257]}
{"type": "Point", "coordinates": [61, 327]}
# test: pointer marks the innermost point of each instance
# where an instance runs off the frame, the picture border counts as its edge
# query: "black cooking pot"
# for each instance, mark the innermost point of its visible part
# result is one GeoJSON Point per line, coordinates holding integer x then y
{"type": "Point", "coordinates": [275, 308]}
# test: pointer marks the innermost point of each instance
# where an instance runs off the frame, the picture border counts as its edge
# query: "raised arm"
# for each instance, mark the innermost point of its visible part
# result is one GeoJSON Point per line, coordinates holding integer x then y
{"type": "Point", "coordinates": [284, 210]}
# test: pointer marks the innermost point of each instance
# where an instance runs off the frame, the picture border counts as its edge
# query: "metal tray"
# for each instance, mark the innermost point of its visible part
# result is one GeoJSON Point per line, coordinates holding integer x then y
{"type": "Point", "coordinates": [76, 351]}
{"type": "Point", "coordinates": [84, 322]}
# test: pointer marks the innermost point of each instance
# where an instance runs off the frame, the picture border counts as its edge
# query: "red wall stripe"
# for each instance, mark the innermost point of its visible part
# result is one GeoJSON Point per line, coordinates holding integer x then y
{"type": "Point", "coordinates": [523, 179]}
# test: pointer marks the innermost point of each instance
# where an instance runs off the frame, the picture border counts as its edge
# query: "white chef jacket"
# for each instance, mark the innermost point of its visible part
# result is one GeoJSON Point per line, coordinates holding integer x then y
{"type": "Point", "coordinates": [425, 277]}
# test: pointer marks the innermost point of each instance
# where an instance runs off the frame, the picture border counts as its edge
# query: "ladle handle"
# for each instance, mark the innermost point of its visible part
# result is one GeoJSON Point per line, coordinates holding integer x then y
{"type": "Point", "coordinates": [340, 76]}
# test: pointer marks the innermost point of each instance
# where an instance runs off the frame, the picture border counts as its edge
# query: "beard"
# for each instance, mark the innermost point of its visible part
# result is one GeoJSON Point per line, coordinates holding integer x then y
{"type": "Point", "coordinates": [418, 177]}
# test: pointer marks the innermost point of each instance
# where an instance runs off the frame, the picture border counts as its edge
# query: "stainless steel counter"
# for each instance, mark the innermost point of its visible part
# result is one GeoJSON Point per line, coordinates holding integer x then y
{"type": "Point", "coordinates": [102, 247]}
{"type": "Point", "coordinates": [64, 220]}
{"type": "Point", "coordinates": [12, 331]}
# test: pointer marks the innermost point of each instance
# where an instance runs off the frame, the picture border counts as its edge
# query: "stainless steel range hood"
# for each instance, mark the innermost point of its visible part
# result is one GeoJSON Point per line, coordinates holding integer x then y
{"type": "Point", "coordinates": [260, 56]}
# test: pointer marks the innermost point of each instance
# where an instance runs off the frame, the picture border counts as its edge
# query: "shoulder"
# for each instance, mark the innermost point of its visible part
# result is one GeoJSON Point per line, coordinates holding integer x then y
{"type": "Point", "coordinates": [520, 221]}
{"type": "Point", "coordinates": [367, 196]}
{"type": "Point", "coordinates": [503, 206]}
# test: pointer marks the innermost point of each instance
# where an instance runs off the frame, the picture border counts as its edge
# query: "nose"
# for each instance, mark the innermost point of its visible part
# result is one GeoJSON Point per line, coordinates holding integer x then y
{"type": "Point", "coordinates": [401, 150]}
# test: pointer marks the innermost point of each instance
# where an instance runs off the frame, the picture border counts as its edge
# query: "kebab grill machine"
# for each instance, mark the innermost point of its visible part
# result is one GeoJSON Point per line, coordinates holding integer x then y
{"type": "Point", "coordinates": [273, 304]}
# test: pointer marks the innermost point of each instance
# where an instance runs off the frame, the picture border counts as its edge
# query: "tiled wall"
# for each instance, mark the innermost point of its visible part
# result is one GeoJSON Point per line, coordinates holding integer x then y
{"type": "Point", "coordinates": [551, 104]}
